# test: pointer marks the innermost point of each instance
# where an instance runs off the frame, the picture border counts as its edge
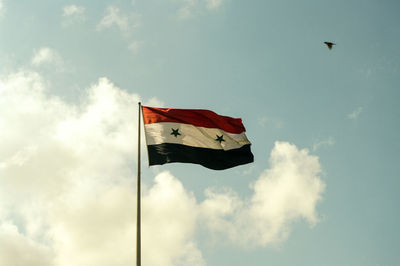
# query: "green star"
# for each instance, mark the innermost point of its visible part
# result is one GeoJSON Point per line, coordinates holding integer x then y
{"type": "Point", "coordinates": [220, 138]}
{"type": "Point", "coordinates": [175, 132]}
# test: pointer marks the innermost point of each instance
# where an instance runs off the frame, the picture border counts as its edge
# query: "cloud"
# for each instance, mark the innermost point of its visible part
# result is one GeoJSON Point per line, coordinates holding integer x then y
{"type": "Point", "coordinates": [73, 14]}
{"type": "Point", "coordinates": [187, 9]}
{"type": "Point", "coordinates": [354, 115]}
{"type": "Point", "coordinates": [2, 8]}
{"type": "Point", "coordinates": [47, 56]}
{"type": "Point", "coordinates": [289, 190]}
{"type": "Point", "coordinates": [265, 121]}
{"type": "Point", "coordinates": [191, 8]}
{"type": "Point", "coordinates": [16, 249]}
{"type": "Point", "coordinates": [155, 102]}
{"type": "Point", "coordinates": [170, 215]}
{"type": "Point", "coordinates": [73, 10]}
{"type": "Point", "coordinates": [323, 143]}
{"type": "Point", "coordinates": [68, 196]}
{"type": "Point", "coordinates": [114, 17]}
{"type": "Point", "coordinates": [213, 4]}
{"type": "Point", "coordinates": [135, 46]}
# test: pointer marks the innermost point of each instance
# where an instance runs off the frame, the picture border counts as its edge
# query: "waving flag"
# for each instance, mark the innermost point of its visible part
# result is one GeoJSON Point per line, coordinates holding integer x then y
{"type": "Point", "coordinates": [195, 136]}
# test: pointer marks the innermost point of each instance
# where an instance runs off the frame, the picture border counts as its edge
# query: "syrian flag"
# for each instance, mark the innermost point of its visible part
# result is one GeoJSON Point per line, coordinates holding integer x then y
{"type": "Point", "coordinates": [195, 136]}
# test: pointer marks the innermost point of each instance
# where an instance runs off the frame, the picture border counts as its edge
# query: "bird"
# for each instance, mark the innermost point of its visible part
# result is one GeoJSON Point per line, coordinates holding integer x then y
{"type": "Point", "coordinates": [330, 44]}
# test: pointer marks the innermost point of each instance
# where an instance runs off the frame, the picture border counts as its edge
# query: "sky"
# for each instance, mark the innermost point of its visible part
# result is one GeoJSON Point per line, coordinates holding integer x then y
{"type": "Point", "coordinates": [323, 189]}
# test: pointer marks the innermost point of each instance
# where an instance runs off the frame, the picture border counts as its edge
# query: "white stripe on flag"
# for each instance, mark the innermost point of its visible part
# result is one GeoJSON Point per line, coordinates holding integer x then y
{"type": "Point", "coordinates": [158, 133]}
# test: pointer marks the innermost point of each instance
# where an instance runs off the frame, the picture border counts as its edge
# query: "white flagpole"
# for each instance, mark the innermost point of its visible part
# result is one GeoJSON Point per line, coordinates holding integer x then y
{"type": "Point", "coordinates": [138, 221]}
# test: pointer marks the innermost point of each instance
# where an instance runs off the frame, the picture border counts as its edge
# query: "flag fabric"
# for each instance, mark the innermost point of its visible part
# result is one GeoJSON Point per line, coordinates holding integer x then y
{"type": "Point", "coordinates": [195, 136]}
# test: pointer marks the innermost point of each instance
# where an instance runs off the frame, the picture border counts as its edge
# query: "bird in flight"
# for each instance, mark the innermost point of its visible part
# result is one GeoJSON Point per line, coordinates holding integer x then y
{"type": "Point", "coordinates": [330, 44]}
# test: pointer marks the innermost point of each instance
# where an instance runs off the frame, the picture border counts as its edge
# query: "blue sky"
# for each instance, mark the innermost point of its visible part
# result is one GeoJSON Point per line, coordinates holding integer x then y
{"type": "Point", "coordinates": [324, 124]}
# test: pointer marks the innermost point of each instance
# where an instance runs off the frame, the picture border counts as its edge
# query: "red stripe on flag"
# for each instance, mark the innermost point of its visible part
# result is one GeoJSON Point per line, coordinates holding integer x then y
{"type": "Point", "coordinates": [196, 117]}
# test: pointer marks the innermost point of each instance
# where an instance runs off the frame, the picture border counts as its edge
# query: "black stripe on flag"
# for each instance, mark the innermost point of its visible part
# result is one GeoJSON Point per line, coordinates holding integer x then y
{"type": "Point", "coordinates": [210, 158]}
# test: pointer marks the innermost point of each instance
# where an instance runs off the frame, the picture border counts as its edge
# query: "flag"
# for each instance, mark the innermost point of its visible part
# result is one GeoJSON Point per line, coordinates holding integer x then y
{"type": "Point", "coordinates": [195, 136]}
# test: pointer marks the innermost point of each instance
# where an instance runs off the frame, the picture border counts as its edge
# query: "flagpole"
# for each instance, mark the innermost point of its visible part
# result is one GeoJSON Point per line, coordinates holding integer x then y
{"type": "Point", "coordinates": [138, 221]}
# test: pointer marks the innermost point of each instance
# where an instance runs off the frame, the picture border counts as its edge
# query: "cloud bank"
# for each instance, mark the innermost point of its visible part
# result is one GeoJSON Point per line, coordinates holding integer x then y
{"type": "Point", "coordinates": [66, 190]}
{"type": "Point", "coordinates": [67, 196]}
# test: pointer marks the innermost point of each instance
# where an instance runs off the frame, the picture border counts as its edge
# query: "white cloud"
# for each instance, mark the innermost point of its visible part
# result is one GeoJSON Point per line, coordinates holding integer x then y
{"type": "Point", "coordinates": [67, 196]}
{"type": "Point", "coordinates": [213, 4]}
{"type": "Point", "coordinates": [155, 102]}
{"type": "Point", "coordinates": [135, 46]}
{"type": "Point", "coordinates": [115, 17]}
{"type": "Point", "coordinates": [265, 121]}
{"type": "Point", "coordinates": [354, 115]}
{"type": "Point", "coordinates": [250, 169]}
{"type": "Point", "coordinates": [2, 8]}
{"type": "Point", "coordinates": [287, 191]}
{"type": "Point", "coordinates": [16, 249]}
{"type": "Point", "coordinates": [73, 10]}
{"type": "Point", "coordinates": [46, 56]}
{"type": "Point", "coordinates": [170, 215]}
{"type": "Point", "coordinates": [323, 143]}
{"type": "Point", "coordinates": [73, 14]}
{"type": "Point", "coordinates": [186, 9]}
{"type": "Point", "coordinates": [191, 8]}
